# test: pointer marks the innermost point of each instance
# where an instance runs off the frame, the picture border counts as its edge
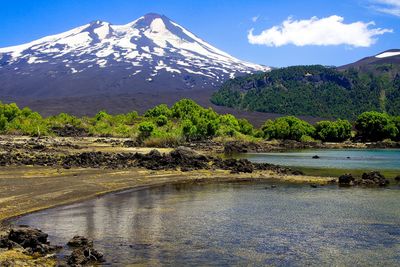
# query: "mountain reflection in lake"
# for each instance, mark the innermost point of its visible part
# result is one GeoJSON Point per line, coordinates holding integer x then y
{"type": "Point", "coordinates": [235, 224]}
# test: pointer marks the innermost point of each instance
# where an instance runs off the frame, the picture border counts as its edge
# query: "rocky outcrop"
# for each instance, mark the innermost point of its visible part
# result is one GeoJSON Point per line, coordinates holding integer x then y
{"type": "Point", "coordinates": [240, 147]}
{"type": "Point", "coordinates": [235, 166]}
{"type": "Point", "coordinates": [31, 240]}
{"type": "Point", "coordinates": [182, 158]}
{"type": "Point", "coordinates": [373, 178]}
{"type": "Point", "coordinates": [383, 144]}
{"type": "Point", "coordinates": [70, 130]}
{"type": "Point", "coordinates": [83, 252]}
{"type": "Point", "coordinates": [346, 179]}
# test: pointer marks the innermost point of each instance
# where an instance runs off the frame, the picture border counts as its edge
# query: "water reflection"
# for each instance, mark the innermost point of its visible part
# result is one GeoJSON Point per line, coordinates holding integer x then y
{"type": "Point", "coordinates": [235, 224]}
{"type": "Point", "coordinates": [366, 159]}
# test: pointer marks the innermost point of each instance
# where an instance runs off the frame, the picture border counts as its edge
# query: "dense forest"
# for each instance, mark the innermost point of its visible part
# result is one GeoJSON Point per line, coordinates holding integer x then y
{"type": "Point", "coordinates": [188, 121]}
{"type": "Point", "coordinates": [315, 90]}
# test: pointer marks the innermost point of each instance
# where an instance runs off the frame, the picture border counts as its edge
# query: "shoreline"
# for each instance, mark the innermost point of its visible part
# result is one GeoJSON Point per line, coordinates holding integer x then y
{"type": "Point", "coordinates": [127, 182]}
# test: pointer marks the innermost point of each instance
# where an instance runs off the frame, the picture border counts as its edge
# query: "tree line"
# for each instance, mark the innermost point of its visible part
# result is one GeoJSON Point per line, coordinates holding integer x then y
{"type": "Point", "coordinates": [186, 121]}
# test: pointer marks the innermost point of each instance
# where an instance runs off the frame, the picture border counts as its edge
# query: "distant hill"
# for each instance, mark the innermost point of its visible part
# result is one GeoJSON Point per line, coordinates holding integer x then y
{"type": "Point", "coordinates": [389, 57]}
{"type": "Point", "coordinates": [372, 83]}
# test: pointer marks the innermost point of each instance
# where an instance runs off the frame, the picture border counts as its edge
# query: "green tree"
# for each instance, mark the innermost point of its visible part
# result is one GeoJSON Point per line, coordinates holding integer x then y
{"type": "Point", "coordinates": [375, 126]}
{"type": "Point", "coordinates": [158, 111]}
{"type": "Point", "coordinates": [186, 108]}
{"type": "Point", "coordinates": [245, 127]}
{"type": "Point", "coordinates": [333, 131]}
{"type": "Point", "coordinates": [288, 127]}
{"type": "Point", "coordinates": [396, 121]}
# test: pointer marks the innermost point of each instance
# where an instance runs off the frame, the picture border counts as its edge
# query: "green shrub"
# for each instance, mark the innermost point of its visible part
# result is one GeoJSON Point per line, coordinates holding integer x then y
{"type": "Point", "coordinates": [146, 128]}
{"type": "Point", "coordinates": [306, 138]}
{"type": "Point", "coordinates": [32, 125]}
{"type": "Point", "coordinates": [161, 120]}
{"type": "Point", "coordinates": [63, 119]}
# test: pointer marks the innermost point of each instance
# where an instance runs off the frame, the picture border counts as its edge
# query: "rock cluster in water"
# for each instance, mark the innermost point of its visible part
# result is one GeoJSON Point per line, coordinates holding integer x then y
{"type": "Point", "coordinates": [33, 242]}
{"type": "Point", "coordinates": [373, 178]}
{"type": "Point", "coordinates": [83, 252]}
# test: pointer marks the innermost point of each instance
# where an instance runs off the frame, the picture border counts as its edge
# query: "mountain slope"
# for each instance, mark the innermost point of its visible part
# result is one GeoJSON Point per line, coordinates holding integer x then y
{"type": "Point", "coordinates": [149, 55]}
{"type": "Point", "coordinates": [388, 57]}
{"type": "Point", "coordinates": [316, 91]}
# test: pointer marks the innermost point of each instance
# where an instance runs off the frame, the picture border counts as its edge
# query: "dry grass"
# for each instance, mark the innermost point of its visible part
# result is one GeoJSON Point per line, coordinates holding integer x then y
{"type": "Point", "coordinates": [18, 258]}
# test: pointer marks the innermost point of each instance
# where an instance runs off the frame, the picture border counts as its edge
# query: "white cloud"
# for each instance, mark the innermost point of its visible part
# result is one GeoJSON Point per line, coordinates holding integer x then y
{"type": "Point", "coordinates": [325, 31]}
{"type": "Point", "coordinates": [255, 18]}
{"type": "Point", "coordinates": [391, 7]}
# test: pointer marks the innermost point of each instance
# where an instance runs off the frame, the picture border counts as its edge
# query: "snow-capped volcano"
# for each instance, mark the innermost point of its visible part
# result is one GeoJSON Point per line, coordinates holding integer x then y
{"type": "Point", "coordinates": [151, 52]}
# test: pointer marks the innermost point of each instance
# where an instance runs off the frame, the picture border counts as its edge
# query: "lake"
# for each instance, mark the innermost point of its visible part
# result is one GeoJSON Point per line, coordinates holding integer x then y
{"type": "Point", "coordinates": [365, 159]}
{"type": "Point", "coordinates": [235, 224]}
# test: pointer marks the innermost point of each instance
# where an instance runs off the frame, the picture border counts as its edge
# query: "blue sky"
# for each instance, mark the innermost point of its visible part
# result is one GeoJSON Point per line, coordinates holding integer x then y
{"type": "Point", "coordinates": [226, 24]}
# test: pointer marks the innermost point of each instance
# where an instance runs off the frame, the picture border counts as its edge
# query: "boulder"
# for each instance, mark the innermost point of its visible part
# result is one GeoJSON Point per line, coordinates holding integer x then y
{"type": "Point", "coordinates": [184, 153]}
{"type": "Point", "coordinates": [130, 143]}
{"type": "Point", "coordinates": [346, 179]}
{"type": "Point", "coordinates": [297, 172]}
{"type": "Point", "coordinates": [79, 241]}
{"type": "Point", "coordinates": [397, 178]}
{"type": "Point", "coordinates": [374, 178]}
{"type": "Point", "coordinates": [31, 239]}
{"type": "Point", "coordinates": [83, 253]}
{"type": "Point", "coordinates": [84, 256]}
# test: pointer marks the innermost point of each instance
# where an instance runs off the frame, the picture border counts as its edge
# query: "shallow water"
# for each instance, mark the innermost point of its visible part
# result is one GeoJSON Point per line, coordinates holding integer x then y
{"type": "Point", "coordinates": [236, 224]}
{"type": "Point", "coordinates": [366, 159]}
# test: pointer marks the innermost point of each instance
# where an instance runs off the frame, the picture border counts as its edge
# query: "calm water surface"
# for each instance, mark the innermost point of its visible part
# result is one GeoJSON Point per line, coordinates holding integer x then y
{"type": "Point", "coordinates": [236, 224]}
{"type": "Point", "coordinates": [372, 159]}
